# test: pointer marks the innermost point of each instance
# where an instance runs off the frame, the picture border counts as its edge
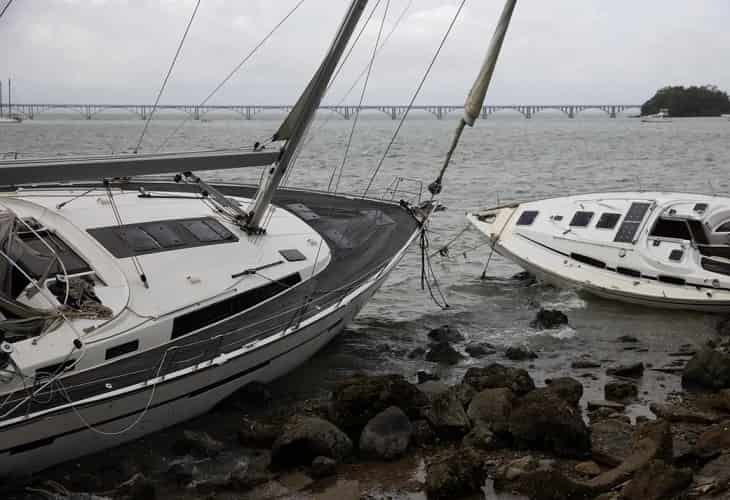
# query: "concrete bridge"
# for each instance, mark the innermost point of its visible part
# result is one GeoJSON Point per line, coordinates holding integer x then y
{"type": "Point", "coordinates": [249, 111]}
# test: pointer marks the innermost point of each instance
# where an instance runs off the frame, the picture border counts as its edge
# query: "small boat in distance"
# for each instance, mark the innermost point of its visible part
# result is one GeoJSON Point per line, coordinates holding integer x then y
{"type": "Point", "coordinates": [661, 117]}
{"type": "Point", "coordinates": [668, 250]}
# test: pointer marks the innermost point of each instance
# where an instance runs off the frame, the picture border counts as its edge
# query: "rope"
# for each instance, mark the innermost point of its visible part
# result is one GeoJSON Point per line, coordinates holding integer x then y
{"type": "Point", "coordinates": [413, 98]}
{"type": "Point", "coordinates": [359, 104]}
{"type": "Point", "coordinates": [426, 271]}
{"type": "Point", "coordinates": [235, 70]}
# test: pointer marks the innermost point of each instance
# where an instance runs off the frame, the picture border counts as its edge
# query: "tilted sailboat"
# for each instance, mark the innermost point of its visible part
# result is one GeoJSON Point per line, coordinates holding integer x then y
{"type": "Point", "coordinates": [129, 305]}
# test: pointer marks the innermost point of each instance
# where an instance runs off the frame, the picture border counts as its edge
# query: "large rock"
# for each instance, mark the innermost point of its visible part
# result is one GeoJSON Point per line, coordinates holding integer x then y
{"type": "Point", "coordinates": [709, 368]}
{"type": "Point", "coordinates": [519, 353]}
{"type": "Point", "coordinates": [611, 441]}
{"type": "Point", "coordinates": [712, 442]}
{"type": "Point", "coordinates": [454, 473]}
{"type": "Point", "coordinates": [495, 376]}
{"type": "Point", "coordinates": [567, 388]}
{"type": "Point", "coordinates": [492, 408]}
{"type": "Point", "coordinates": [305, 438]}
{"type": "Point", "coordinates": [443, 353]}
{"type": "Point", "coordinates": [633, 370]}
{"type": "Point", "coordinates": [445, 333]}
{"type": "Point", "coordinates": [657, 481]}
{"type": "Point", "coordinates": [549, 318]}
{"type": "Point", "coordinates": [620, 390]}
{"type": "Point", "coordinates": [387, 435]}
{"type": "Point", "coordinates": [543, 420]}
{"type": "Point", "coordinates": [675, 413]}
{"type": "Point", "coordinates": [480, 350]}
{"type": "Point", "coordinates": [447, 416]}
{"type": "Point", "coordinates": [358, 399]}
{"type": "Point", "coordinates": [482, 438]}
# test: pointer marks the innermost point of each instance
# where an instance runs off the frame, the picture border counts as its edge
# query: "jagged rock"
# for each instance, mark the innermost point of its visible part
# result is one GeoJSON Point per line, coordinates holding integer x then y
{"type": "Point", "coordinates": [657, 481]}
{"type": "Point", "coordinates": [417, 353]}
{"type": "Point", "coordinates": [628, 339]}
{"type": "Point", "coordinates": [634, 370]}
{"type": "Point", "coordinates": [422, 434]}
{"type": "Point", "coordinates": [443, 353]}
{"type": "Point", "coordinates": [611, 441]}
{"type": "Point", "coordinates": [519, 353]}
{"type": "Point", "coordinates": [588, 469]}
{"type": "Point", "coordinates": [445, 333]}
{"type": "Point", "coordinates": [424, 376]}
{"type": "Point", "coordinates": [709, 368]}
{"type": "Point", "coordinates": [454, 473]}
{"type": "Point", "coordinates": [547, 319]}
{"type": "Point", "coordinates": [447, 416]}
{"type": "Point", "coordinates": [305, 438]}
{"type": "Point", "coordinates": [582, 364]}
{"type": "Point", "coordinates": [387, 434]}
{"type": "Point", "coordinates": [323, 467]}
{"type": "Point", "coordinates": [543, 420]}
{"type": "Point", "coordinates": [481, 438]}
{"type": "Point", "coordinates": [253, 433]}
{"type": "Point", "coordinates": [620, 390]}
{"type": "Point", "coordinates": [495, 376]}
{"type": "Point", "coordinates": [358, 399]}
{"type": "Point", "coordinates": [491, 408]}
{"type": "Point", "coordinates": [480, 350]}
{"type": "Point", "coordinates": [610, 405]}
{"type": "Point", "coordinates": [198, 444]}
{"type": "Point", "coordinates": [567, 388]}
{"type": "Point", "coordinates": [674, 413]}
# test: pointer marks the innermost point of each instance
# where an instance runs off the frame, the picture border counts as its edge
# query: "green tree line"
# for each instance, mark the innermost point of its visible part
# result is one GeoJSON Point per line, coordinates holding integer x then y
{"type": "Point", "coordinates": [707, 100]}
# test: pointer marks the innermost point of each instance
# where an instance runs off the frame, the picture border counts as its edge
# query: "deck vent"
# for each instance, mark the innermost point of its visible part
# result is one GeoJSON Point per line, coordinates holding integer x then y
{"type": "Point", "coordinates": [676, 255]}
{"type": "Point", "coordinates": [527, 218]}
{"type": "Point", "coordinates": [588, 260]}
{"type": "Point", "coordinates": [581, 219]}
{"type": "Point", "coordinates": [556, 217]}
{"type": "Point", "coordinates": [608, 220]}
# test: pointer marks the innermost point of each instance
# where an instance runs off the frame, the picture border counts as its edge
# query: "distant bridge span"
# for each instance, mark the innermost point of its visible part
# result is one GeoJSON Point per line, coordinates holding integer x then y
{"type": "Point", "coordinates": [249, 111]}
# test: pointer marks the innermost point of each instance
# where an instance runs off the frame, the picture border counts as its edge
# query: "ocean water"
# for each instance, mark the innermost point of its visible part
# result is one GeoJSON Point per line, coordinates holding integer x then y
{"type": "Point", "coordinates": [505, 157]}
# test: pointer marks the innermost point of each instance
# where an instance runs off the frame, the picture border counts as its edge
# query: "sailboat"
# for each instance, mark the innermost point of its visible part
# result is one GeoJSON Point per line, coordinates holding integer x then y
{"type": "Point", "coordinates": [128, 305]}
{"type": "Point", "coordinates": [661, 117]}
{"type": "Point", "coordinates": [10, 117]}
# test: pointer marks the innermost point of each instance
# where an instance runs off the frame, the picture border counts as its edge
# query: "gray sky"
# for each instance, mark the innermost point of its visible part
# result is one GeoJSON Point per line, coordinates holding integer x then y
{"type": "Point", "coordinates": [557, 51]}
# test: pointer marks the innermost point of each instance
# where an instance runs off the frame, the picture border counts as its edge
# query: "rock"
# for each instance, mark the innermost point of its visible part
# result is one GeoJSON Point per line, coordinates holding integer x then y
{"type": "Point", "coordinates": [492, 408]}
{"type": "Point", "coordinates": [674, 413]}
{"type": "Point", "coordinates": [657, 481]}
{"type": "Point", "coordinates": [619, 390]}
{"type": "Point", "coordinates": [424, 376]}
{"type": "Point", "coordinates": [323, 467]}
{"type": "Point", "coordinates": [524, 276]}
{"type": "Point", "coordinates": [358, 399]}
{"type": "Point", "coordinates": [611, 441]}
{"type": "Point", "coordinates": [547, 319]}
{"type": "Point", "coordinates": [723, 327]}
{"type": "Point", "coordinates": [258, 434]}
{"type": "Point", "coordinates": [482, 438]}
{"type": "Point", "coordinates": [432, 388]}
{"type": "Point", "coordinates": [715, 474]}
{"type": "Point", "coordinates": [465, 393]}
{"type": "Point", "coordinates": [634, 370]}
{"type": "Point", "coordinates": [443, 353]}
{"type": "Point", "coordinates": [543, 420]}
{"type": "Point", "coordinates": [568, 389]}
{"type": "Point", "coordinates": [627, 339]}
{"type": "Point", "coordinates": [539, 480]}
{"type": "Point", "coordinates": [447, 416]}
{"type": "Point", "coordinates": [589, 469]}
{"type": "Point", "coordinates": [610, 405]}
{"type": "Point", "coordinates": [417, 353]}
{"type": "Point", "coordinates": [454, 473]}
{"type": "Point", "coordinates": [182, 472]}
{"type": "Point", "coordinates": [495, 376]}
{"type": "Point", "coordinates": [480, 350]}
{"type": "Point", "coordinates": [138, 487]}
{"type": "Point", "coordinates": [422, 433]}
{"type": "Point", "coordinates": [199, 444]}
{"type": "Point", "coordinates": [582, 364]}
{"type": "Point", "coordinates": [305, 438]}
{"type": "Point", "coordinates": [519, 353]}
{"type": "Point", "coordinates": [709, 368]}
{"type": "Point", "coordinates": [387, 434]}
{"type": "Point", "coordinates": [719, 400]}
{"type": "Point", "coordinates": [712, 442]}
{"type": "Point", "coordinates": [445, 333]}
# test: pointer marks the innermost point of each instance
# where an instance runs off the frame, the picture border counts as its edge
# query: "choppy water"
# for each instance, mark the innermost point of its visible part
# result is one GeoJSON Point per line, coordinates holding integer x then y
{"type": "Point", "coordinates": [503, 158]}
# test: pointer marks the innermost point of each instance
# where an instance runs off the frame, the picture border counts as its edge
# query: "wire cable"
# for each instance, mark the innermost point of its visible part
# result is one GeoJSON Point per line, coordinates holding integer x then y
{"type": "Point", "coordinates": [7, 5]}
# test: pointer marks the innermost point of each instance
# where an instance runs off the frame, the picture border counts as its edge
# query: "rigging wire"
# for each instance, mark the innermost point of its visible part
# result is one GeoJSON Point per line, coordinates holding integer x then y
{"type": "Point", "coordinates": [7, 5]}
{"type": "Point", "coordinates": [413, 98]}
{"type": "Point", "coordinates": [359, 104]}
{"type": "Point", "coordinates": [230, 75]}
{"type": "Point", "coordinates": [167, 77]}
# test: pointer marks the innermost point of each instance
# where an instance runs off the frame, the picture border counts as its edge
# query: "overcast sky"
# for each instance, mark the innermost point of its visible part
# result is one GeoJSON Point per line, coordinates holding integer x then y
{"type": "Point", "coordinates": [557, 51]}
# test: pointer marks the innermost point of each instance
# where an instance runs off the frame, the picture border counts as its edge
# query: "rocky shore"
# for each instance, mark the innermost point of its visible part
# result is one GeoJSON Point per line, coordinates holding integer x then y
{"type": "Point", "coordinates": [496, 432]}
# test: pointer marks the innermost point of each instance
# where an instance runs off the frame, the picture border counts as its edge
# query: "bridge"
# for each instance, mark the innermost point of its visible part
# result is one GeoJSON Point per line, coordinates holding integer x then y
{"type": "Point", "coordinates": [249, 111]}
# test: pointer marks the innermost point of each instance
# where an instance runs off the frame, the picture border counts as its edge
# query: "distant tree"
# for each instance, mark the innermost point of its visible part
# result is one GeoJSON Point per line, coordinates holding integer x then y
{"type": "Point", "coordinates": [707, 100]}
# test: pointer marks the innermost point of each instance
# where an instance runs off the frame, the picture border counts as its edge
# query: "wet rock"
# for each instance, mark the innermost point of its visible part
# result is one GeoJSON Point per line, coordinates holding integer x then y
{"type": "Point", "coordinates": [567, 388]}
{"type": "Point", "coordinates": [524, 276]}
{"type": "Point", "coordinates": [674, 413]}
{"type": "Point", "coordinates": [198, 444]}
{"type": "Point", "coordinates": [417, 353]}
{"type": "Point", "coordinates": [588, 469]}
{"type": "Point", "coordinates": [519, 353]}
{"type": "Point", "coordinates": [634, 370]}
{"type": "Point", "coordinates": [543, 420]}
{"type": "Point", "coordinates": [257, 434]}
{"type": "Point", "coordinates": [443, 353]}
{"type": "Point", "coordinates": [610, 405]}
{"type": "Point", "coordinates": [495, 376]}
{"type": "Point", "coordinates": [305, 438]}
{"type": "Point", "coordinates": [424, 376]}
{"type": "Point", "coordinates": [323, 467]}
{"type": "Point", "coordinates": [480, 350]}
{"type": "Point", "coordinates": [387, 434]}
{"type": "Point", "coordinates": [358, 399]}
{"type": "Point", "coordinates": [657, 481]}
{"type": "Point", "coordinates": [582, 364]}
{"type": "Point", "coordinates": [620, 390]}
{"type": "Point", "coordinates": [491, 408]}
{"type": "Point", "coordinates": [482, 438]}
{"type": "Point", "coordinates": [627, 339]}
{"type": "Point", "coordinates": [454, 473]}
{"type": "Point", "coordinates": [445, 333]}
{"type": "Point", "coordinates": [422, 433]}
{"type": "Point", "coordinates": [547, 319]}
{"type": "Point", "coordinates": [447, 416]}
{"type": "Point", "coordinates": [709, 368]}
{"type": "Point", "coordinates": [611, 441]}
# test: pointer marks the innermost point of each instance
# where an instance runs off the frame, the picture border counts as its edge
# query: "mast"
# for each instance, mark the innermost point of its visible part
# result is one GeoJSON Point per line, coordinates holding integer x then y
{"type": "Point", "coordinates": [10, 106]}
{"type": "Point", "coordinates": [295, 125]}
{"type": "Point", "coordinates": [1, 99]}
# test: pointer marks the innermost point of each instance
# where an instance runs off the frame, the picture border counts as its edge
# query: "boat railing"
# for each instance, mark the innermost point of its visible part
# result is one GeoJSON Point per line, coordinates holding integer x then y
{"type": "Point", "coordinates": [413, 188]}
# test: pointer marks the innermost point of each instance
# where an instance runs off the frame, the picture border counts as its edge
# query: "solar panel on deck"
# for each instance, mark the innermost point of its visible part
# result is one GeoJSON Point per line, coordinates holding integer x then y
{"type": "Point", "coordinates": [608, 220]}
{"type": "Point", "coordinates": [581, 219]}
{"type": "Point", "coordinates": [636, 212]}
{"type": "Point", "coordinates": [527, 217]}
{"type": "Point", "coordinates": [632, 222]}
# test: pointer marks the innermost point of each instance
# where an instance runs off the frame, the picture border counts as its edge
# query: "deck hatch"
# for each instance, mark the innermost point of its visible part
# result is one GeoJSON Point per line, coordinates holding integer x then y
{"type": "Point", "coordinates": [292, 255]}
{"type": "Point", "coordinates": [527, 218]}
{"type": "Point", "coordinates": [676, 255]}
{"type": "Point", "coordinates": [608, 220]}
{"type": "Point", "coordinates": [581, 218]}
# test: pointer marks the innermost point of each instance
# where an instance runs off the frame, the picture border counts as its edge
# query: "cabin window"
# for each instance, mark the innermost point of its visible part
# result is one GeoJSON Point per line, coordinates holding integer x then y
{"type": "Point", "coordinates": [608, 220]}
{"type": "Point", "coordinates": [673, 280]}
{"type": "Point", "coordinates": [527, 218]}
{"type": "Point", "coordinates": [715, 266]}
{"type": "Point", "coordinates": [581, 219]}
{"type": "Point", "coordinates": [723, 228]}
{"type": "Point", "coordinates": [588, 260]}
{"type": "Point", "coordinates": [671, 228]}
{"type": "Point", "coordinates": [676, 255]}
{"type": "Point", "coordinates": [698, 232]}
{"type": "Point", "coordinates": [121, 349]}
{"type": "Point", "coordinates": [628, 272]}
